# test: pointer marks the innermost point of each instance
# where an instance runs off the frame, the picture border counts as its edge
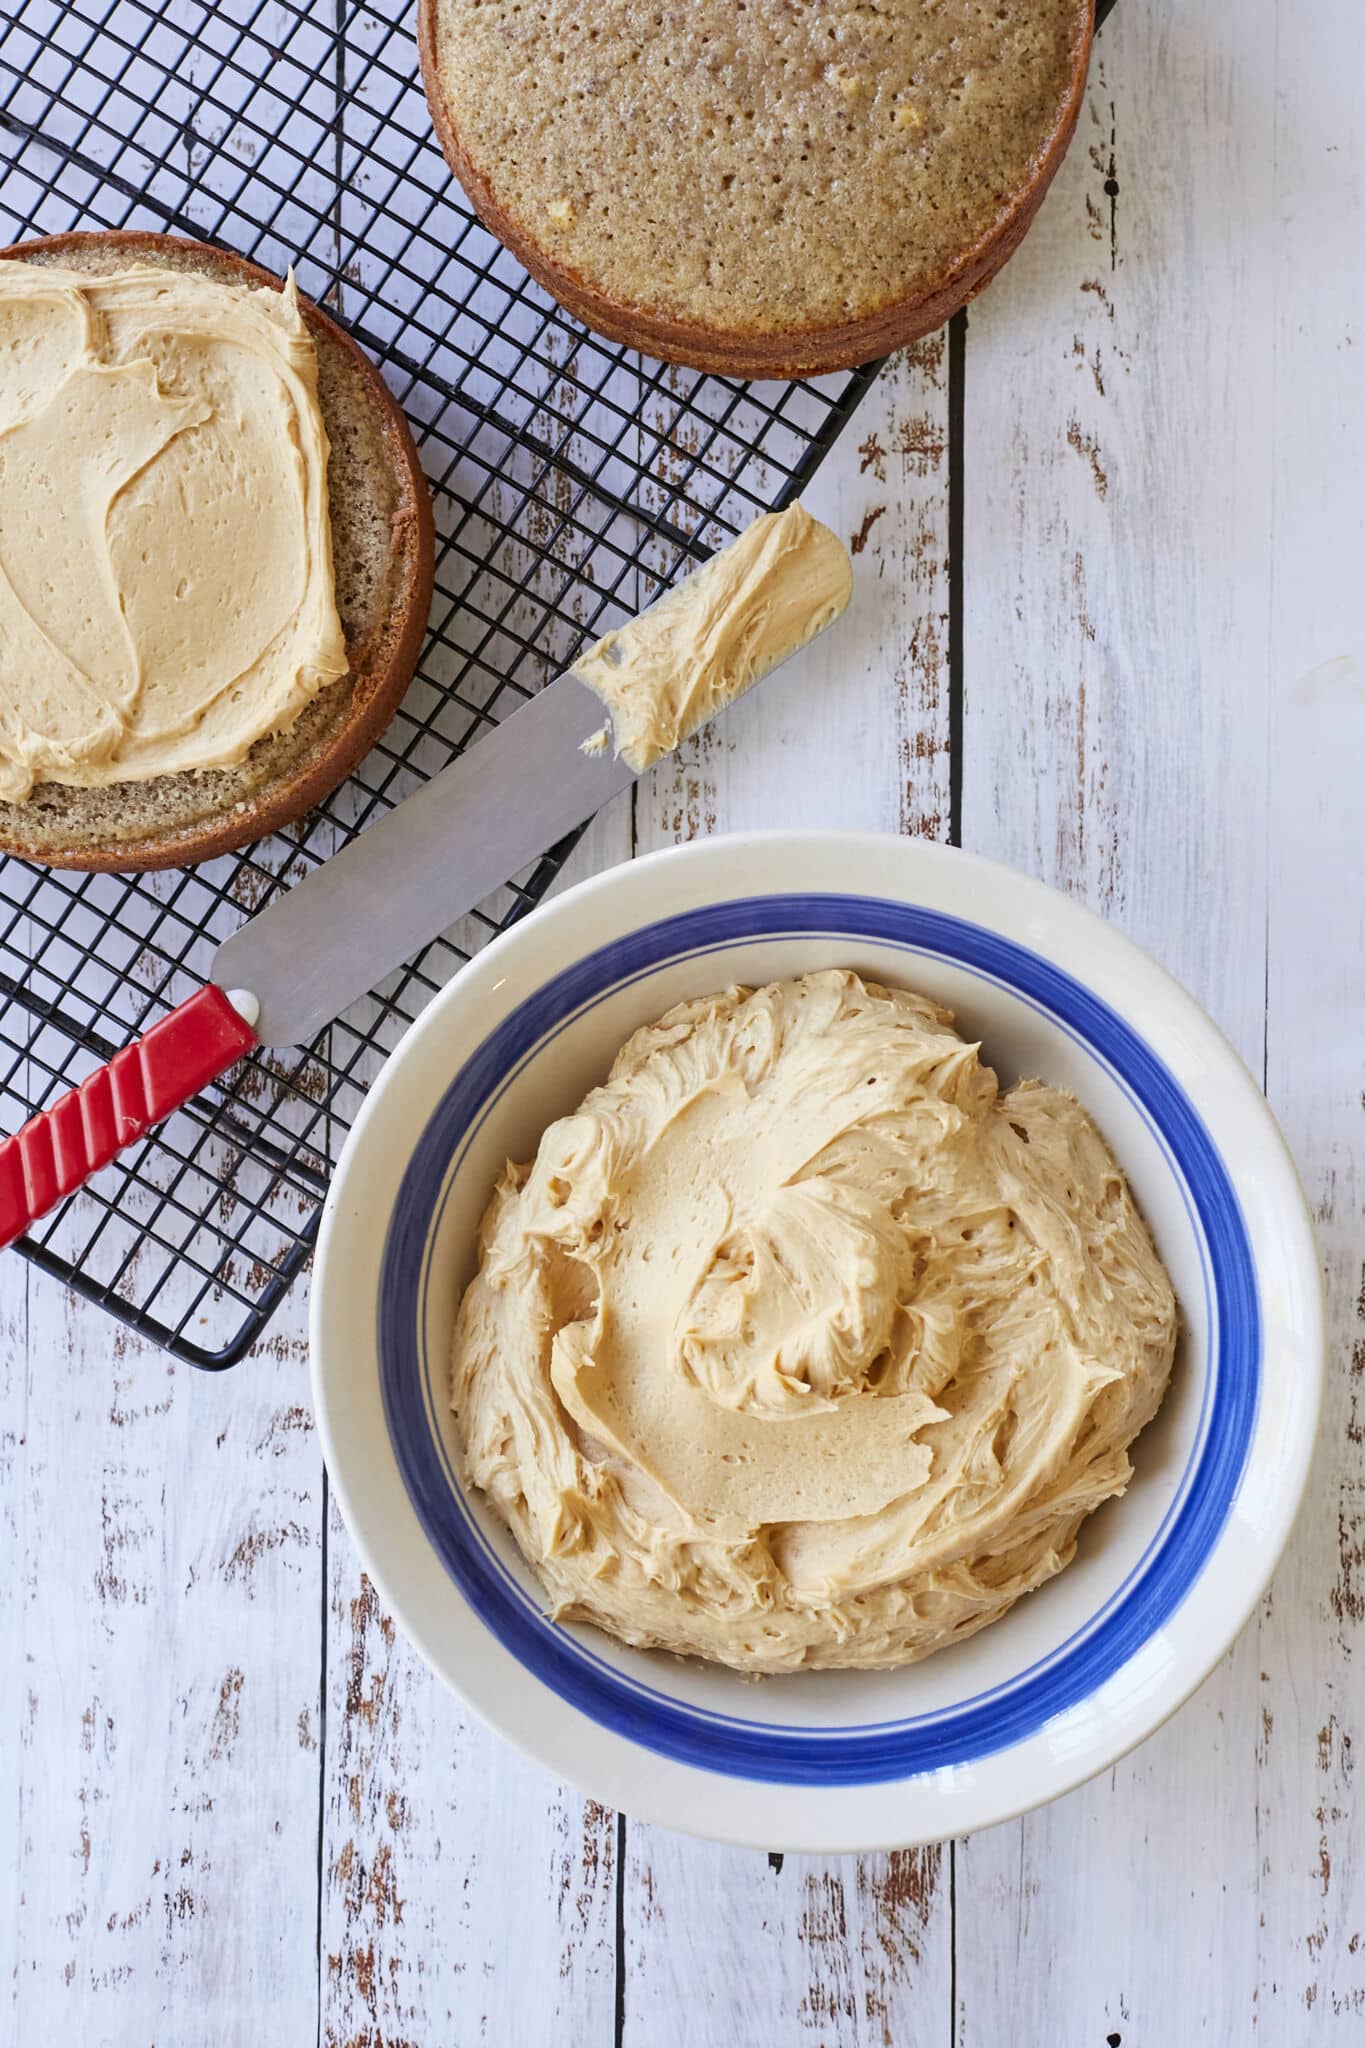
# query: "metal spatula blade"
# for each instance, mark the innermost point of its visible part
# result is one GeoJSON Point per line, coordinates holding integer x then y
{"type": "Point", "coordinates": [409, 876]}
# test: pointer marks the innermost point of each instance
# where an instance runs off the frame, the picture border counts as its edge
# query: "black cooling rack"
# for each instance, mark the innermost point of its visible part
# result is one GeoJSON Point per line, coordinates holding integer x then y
{"type": "Point", "coordinates": [569, 476]}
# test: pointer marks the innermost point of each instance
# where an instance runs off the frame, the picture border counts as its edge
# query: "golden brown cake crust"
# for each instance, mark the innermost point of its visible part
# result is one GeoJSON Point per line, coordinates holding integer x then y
{"type": "Point", "coordinates": [383, 548]}
{"type": "Point", "coordinates": [793, 342]}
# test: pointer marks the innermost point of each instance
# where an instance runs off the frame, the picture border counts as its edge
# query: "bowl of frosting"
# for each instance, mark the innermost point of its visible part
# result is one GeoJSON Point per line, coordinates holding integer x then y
{"type": "Point", "coordinates": [818, 1340]}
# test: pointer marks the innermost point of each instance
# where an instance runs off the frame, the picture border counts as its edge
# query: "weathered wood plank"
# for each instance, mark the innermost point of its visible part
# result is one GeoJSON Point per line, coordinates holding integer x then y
{"type": "Point", "coordinates": [161, 1627]}
{"type": "Point", "coordinates": [466, 1896]}
{"type": "Point", "coordinates": [1119, 518]}
{"type": "Point", "coordinates": [1311, 1926]}
{"type": "Point", "coordinates": [720, 1945]}
{"type": "Point", "coordinates": [729, 1945]}
{"type": "Point", "coordinates": [1117, 513]}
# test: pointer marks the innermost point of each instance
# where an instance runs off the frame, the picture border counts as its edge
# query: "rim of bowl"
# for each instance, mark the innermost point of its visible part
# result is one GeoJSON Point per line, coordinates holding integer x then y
{"type": "Point", "coordinates": [610, 1766]}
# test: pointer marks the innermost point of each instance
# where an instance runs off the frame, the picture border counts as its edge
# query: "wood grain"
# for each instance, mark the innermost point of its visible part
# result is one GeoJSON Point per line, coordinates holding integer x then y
{"type": "Point", "coordinates": [1310, 1933]}
{"type": "Point", "coordinates": [726, 1945]}
{"type": "Point", "coordinates": [161, 1671]}
{"type": "Point", "coordinates": [464, 1897]}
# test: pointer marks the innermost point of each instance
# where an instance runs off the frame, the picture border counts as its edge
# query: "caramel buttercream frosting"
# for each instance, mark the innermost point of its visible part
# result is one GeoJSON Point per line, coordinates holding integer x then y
{"type": "Point", "coordinates": [166, 589]}
{"type": "Point", "coordinates": [717, 633]}
{"type": "Point", "coordinates": [803, 1343]}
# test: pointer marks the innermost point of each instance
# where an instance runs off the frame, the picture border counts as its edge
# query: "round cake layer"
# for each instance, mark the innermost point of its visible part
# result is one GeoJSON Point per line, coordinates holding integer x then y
{"type": "Point", "coordinates": [383, 553]}
{"type": "Point", "coordinates": [762, 185]}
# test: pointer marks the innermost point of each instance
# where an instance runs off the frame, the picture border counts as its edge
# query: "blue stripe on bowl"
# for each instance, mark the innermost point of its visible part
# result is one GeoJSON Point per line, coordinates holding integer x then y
{"type": "Point", "coordinates": [413, 1386]}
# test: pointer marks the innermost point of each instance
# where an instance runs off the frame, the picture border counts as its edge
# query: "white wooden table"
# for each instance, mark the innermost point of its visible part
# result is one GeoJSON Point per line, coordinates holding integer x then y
{"type": "Point", "coordinates": [236, 1809]}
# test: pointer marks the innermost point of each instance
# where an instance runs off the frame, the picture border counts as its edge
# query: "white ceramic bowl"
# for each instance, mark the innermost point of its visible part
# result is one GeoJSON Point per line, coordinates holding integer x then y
{"type": "Point", "coordinates": [1077, 1672]}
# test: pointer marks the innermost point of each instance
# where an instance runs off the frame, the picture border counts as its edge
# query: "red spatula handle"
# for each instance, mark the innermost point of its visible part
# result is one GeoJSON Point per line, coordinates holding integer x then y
{"type": "Point", "coordinates": [62, 1146]}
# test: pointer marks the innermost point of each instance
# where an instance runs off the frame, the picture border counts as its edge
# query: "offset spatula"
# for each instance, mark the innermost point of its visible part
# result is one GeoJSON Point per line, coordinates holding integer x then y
{"type": "Point", "coordinates": [292, 968]}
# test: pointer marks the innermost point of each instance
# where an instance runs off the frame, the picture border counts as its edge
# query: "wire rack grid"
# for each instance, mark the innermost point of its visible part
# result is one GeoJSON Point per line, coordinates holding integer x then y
{"type": "Point", "coordinates": [570, 477]}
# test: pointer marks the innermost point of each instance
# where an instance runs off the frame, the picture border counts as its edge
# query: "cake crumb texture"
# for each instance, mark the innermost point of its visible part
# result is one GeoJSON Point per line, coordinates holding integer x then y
{"type": "Point", "coordinates": [758, 166]}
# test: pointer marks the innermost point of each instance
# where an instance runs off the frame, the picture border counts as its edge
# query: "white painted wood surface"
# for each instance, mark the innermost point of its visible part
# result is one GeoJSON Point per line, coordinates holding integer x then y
{"type": "Point", "coordinates": [235, 1807]}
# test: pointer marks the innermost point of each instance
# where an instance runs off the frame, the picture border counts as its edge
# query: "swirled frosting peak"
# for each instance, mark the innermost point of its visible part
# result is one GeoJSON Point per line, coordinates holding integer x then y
{"type": "Point", "coordinates": [801, 1343]}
